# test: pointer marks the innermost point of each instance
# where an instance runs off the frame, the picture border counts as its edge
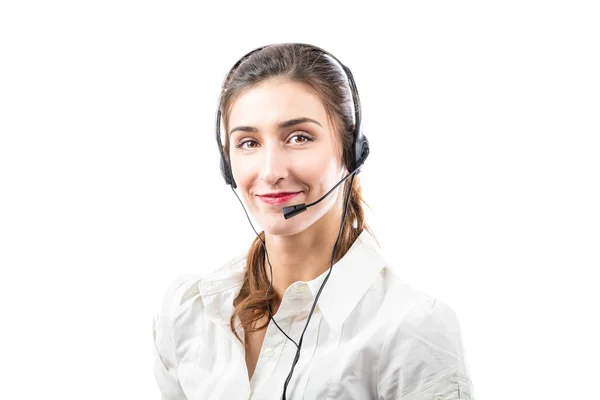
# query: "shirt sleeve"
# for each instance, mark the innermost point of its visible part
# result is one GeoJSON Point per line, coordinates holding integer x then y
{"type": "Point", "coordinates": [422, 357]}
{"type": "Point", "coordinates": [165, 359]}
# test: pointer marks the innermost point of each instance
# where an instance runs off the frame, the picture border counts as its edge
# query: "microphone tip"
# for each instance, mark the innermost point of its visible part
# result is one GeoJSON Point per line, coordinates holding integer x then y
{"type": "Point", "coordinates": [289, 212]}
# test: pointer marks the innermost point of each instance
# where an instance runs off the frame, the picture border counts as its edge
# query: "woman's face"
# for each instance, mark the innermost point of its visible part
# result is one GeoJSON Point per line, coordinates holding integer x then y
{"type": "Point", "coordinates": [281, 141]}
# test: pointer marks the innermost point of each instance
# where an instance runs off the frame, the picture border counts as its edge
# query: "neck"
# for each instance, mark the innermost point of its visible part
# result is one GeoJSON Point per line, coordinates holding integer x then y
{"type": "Point", "coordinates": [305, 255]}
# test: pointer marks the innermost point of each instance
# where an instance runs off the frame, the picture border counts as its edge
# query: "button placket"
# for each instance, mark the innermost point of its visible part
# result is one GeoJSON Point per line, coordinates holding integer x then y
{"type": "Point", "coordinates": [304, 304]}
{"type": "Point", "coordinates": [274, 341]}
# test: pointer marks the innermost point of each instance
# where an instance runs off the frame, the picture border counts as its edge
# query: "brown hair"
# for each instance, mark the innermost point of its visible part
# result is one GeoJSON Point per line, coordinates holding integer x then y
{"type": "Point", "coordinates": [323, 76]}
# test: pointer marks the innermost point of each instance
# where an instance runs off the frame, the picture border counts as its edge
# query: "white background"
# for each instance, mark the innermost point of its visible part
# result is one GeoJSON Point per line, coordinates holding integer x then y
{"type": "Point", "coordinates": [483, 179]}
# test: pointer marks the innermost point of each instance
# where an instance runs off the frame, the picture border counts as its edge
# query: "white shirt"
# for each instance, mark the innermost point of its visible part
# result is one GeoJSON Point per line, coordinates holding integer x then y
{"type": "Point", "coordinates": [371, 336]}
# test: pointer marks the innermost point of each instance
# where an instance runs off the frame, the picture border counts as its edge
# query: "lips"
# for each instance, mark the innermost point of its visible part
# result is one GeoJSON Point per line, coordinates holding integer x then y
{"type": "Point", "coordinates": [278, 198]}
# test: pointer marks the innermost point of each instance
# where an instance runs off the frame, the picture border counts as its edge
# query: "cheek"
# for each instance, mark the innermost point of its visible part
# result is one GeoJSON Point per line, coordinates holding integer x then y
{"type": "Point", "coordinates": [243, 174]}
{"type": "Point", "coordinates": [321, 176]}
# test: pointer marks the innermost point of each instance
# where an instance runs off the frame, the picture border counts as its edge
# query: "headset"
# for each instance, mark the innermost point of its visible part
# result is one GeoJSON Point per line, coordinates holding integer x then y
{"type": "Point", "coordinates": [359, 153]}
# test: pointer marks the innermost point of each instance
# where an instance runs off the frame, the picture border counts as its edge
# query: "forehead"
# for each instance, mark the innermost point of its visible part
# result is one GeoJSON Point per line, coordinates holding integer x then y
{"type": "Point", "coordinates": [276, 100]}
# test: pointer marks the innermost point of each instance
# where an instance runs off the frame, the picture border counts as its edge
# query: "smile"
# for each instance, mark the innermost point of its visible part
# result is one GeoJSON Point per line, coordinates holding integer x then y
{"type": "Point", "coordinates": [275, 199]}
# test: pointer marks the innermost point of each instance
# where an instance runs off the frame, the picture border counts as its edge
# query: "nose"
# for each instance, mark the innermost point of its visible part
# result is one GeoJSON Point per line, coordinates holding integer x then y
{"type": "Point", "coordinates": [274, 166]}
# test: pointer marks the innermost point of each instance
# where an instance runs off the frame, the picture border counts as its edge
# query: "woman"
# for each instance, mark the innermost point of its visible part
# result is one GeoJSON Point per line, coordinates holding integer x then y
{"type": "Point", "coordinates": [312, 310]}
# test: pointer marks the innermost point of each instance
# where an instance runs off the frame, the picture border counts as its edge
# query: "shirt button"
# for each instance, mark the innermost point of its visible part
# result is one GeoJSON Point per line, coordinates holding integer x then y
{"type": "Point", "coordinates": [301, 288]}
{"type": "Point", "coordinates": [269, 353]}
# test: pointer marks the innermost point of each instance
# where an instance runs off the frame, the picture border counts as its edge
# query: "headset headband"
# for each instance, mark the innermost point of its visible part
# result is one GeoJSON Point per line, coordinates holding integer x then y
{"type": "Point", "coordinates": [360, 148]}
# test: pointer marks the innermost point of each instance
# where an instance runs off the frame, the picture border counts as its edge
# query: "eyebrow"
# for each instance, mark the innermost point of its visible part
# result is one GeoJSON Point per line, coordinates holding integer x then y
{"type": "Point", "coordinates": [282, 125]}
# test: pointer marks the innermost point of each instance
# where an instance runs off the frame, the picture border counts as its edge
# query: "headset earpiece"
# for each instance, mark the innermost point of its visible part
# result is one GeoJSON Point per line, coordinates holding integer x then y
{"type": "Point", "coordinates": [361, 150]}
{"type": "Point", "coordinates": [227, 174]}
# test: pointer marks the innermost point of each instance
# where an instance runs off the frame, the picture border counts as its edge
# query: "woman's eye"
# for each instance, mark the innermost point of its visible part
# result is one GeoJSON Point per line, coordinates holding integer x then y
{"type": "Point", "coordinates": [304, 138]}
{"type": "Point", "coordinates": [243, 142]}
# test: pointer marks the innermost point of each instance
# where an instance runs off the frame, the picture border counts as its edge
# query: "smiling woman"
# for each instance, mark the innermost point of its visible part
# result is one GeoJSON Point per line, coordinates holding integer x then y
{"type": "Point", "coordinates": [292, 135]}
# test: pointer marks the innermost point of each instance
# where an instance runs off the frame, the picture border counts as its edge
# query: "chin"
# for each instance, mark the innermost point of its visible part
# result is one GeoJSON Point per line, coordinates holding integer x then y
{"type": "Point", "coordinates": [284, 227]}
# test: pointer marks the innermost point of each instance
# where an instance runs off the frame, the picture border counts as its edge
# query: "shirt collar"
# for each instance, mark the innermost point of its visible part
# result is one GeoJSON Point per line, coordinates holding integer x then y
{"type": "Point", "coordinates": [350, 279]}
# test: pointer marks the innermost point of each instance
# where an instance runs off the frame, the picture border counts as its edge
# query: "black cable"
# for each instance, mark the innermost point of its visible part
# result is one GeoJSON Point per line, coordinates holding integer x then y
{"type": "Point", "coordinates": [267, 254]}
{"type": "Point", "coordinates": [299, 344]}
{"type": "Point", "coordinates": [320, 289]}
